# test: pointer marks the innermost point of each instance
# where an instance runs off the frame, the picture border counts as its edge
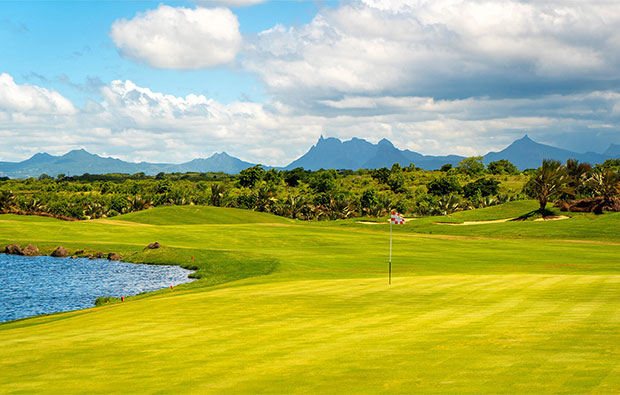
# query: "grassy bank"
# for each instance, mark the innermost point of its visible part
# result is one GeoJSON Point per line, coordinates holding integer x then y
{"type": "Point", "coordinates": [519, 306]}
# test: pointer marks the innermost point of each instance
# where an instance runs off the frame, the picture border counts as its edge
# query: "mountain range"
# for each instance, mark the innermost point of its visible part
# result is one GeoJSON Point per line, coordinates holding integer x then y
{"type": "Point", "coordinates": [78, 162]}
{"type": "Point", "coordinates": [327, 153]}
{"type": "Point", "coordinates": [331, 153]}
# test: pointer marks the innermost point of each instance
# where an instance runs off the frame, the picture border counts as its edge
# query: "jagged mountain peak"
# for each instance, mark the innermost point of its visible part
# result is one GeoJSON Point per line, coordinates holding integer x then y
{"type": "Point", "coordinates": [79, 153]}
{"type": "Point", "coordinates": [524, 141]}
{"type": "Point", "coordinates": [385, 142]}
{"type": "Point", "coordinates": [332, 141]}
{"type": "Point", "coordinates": [356, 153]}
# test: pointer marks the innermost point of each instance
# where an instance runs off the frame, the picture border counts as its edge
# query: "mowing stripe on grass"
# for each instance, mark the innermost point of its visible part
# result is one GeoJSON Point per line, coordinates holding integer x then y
{"type": "Point", "coordinates": [453, 333]}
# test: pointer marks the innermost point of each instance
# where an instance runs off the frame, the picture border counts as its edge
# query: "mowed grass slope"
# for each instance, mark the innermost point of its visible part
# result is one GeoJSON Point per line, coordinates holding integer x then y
{"type": "Point", "coordinates": [191, 215]}
{"type": "Point", "coordinates": [497, 311]}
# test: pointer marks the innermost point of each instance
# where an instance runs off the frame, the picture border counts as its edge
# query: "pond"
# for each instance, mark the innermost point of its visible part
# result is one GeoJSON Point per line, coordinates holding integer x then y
{"type": "Point", "coordinates": [31, 286]}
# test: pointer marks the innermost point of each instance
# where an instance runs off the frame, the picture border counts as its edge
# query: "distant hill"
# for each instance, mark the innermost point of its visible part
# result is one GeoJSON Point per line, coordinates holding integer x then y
{"type": "Point", "coordinates": [528, 154]}
{"type": "Point", "coordinates": [327, 153]}
{"type": "Point", "coordinates": [78, 162]}
{"type": "Point", "coordinates": [332, 153]}
{"type": "Point", "coordinates": [72, 163]}
{"type": "Point", "coordinates": [216, 162]}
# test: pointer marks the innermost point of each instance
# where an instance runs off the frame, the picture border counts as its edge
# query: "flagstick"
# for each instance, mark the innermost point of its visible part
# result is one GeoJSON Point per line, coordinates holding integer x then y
{"type": "Point", "coordinates": [390, 263]}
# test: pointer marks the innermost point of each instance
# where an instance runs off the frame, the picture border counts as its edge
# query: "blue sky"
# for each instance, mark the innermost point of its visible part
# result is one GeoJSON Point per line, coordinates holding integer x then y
{"type": "Point", "coordinates": [57, 44]}
{"type": "Point", "coordinates": [261, 80]}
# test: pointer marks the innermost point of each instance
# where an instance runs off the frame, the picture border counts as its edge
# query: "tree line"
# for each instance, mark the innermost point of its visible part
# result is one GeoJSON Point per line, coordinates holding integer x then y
{"type": "Point", "coordinates": [310, 195]}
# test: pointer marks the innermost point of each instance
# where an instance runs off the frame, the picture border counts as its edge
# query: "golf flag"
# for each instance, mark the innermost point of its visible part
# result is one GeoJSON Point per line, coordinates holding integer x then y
{"type": "Point", "coordinates": [397, 219]}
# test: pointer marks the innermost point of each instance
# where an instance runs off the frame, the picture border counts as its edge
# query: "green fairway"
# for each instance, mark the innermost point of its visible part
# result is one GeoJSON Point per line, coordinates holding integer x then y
{"type": "Point", "coordinates": [284, 306]}
{"type": "Point", "coordinates": [191, 215]}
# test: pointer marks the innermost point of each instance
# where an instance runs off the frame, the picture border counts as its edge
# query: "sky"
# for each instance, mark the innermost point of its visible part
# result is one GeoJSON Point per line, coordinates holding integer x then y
{"type": "Point", "coordinates": [172, 81]}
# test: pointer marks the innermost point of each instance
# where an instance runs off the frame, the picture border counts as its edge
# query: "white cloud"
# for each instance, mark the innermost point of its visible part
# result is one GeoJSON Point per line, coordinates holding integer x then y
{"type": "Point", "coordinates": [31, 99]}
{"type": "Point", "coordinates": [449, 48]}
{"type": "Point", "coordinates": [158, 122]}
{"type": "Point", "coordinates": [137, 124]}
{"type": "Point", "coordinates": [179, 38]}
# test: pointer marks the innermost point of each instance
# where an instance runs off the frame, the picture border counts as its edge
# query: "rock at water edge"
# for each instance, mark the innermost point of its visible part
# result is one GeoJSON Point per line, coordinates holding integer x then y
{"type": "Point", "coordinates": [31, 250]}
{"type": "Point", "coordinates": [13, 249]}
{"type": "Point", "coordinates": [60, 252]}
{"type": "Point", "coordinates": [153, 246]}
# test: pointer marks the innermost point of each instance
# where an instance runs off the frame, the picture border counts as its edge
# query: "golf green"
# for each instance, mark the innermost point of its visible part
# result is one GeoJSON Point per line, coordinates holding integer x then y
{"type": "Point", "coordinates": [284, 306]}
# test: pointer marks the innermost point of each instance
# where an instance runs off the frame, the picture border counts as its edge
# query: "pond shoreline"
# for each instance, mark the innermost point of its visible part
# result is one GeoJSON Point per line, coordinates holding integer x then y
{"type": "Point", "coordinates": [127, 281]}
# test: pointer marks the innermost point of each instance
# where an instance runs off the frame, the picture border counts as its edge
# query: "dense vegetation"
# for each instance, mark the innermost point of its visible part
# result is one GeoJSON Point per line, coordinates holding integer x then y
{"type": "Point", "coordinates": [306, 195]}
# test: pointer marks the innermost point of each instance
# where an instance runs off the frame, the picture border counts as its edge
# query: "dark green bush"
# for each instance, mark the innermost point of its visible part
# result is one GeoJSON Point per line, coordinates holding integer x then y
{"type": "Point", "coordinates": [444, 186]}
{"type": "Point", "coordinates": [486, 186]}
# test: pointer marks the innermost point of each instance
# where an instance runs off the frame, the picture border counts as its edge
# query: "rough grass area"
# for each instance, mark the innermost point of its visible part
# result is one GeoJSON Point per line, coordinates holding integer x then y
{"type": "Point", "coordinates": [291, 307]}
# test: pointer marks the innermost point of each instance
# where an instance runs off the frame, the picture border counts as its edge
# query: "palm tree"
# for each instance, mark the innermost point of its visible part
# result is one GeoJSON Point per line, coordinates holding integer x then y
{"type": "Point", "coordinates": [218, 193]}
{"type": "Point", "coordinates": [342, 207]}
{"type": "Point", "coordinates": [606, 183]}
{"type": "Point", "coordinates": [32, 205]}
{"type": "Point", "coordinates": [94, 210]}
{"type": "Point", "coordinates": [385, 204]}
{"type": "Point", "coordinates": [448, 205]}
{"type": "Point", "coordinates": [292, 206]}
{"type": "Point", "coordinates": [137, 203]}
{"type": "Point", "coordinates": [7, 201]}
{"type": "Point", "coordinates": [576, 174]}
{"type": "Point", "coordinates": [265, 199]}
{"type": "Point", "coordinates": [549, 181]}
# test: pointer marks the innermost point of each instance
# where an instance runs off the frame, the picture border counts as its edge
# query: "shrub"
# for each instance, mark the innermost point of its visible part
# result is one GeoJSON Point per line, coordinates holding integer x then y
{"type": "Point", "coordinates": [502, 166]}
{"type": "Point", "coordinates": [293, 177]}
{"type": "Point", "coordinates": [445, 168]}
{"type": "Point", "coordinates": [246, 200]}
{"type": "Point", "coordinates": [486, 186]}
{"type": "Point", "coordinates": [396, 181]}
{"type": "Point", "coordinates": [472, 166]}
{"type": "Point", "coordinates": [368, 200]}
{"type": "Point", "coordinates": [444, 186]}
{"type": "Point", "coordinates": [251, 176]}
{"type": "Point", "coordinates": [381, 175]}
{"type": "Point", "coordinates": [323, 181]}
{"type": "Point", "coordinates": [106, 300]}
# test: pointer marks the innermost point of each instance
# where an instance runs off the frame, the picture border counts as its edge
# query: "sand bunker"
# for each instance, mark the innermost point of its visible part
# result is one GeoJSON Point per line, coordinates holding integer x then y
{"type": "Point", "coordinates": [498, 221]}
{"type": "Point", "coordinates": [495, 221]}
{"type": "Point", "coordinates": [552, 218]}
{"type": "Point", "coordinates": [383, 223]}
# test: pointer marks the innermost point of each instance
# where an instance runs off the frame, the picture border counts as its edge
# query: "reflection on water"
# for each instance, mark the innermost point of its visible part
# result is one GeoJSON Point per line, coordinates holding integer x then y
{"type": "Point", "coordinates": [40, 285]}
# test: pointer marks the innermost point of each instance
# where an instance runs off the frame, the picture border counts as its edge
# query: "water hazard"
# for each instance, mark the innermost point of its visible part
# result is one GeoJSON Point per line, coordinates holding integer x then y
{"type": "Point", "coordinates": [31, 286]}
